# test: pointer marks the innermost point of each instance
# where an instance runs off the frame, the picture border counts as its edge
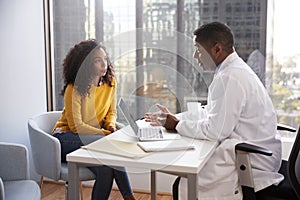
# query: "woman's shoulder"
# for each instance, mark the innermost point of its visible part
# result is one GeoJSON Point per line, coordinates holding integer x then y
{"type": "Point", "coordinates": [70, 90]}
{"type": "Point", "coordinates": [69, 87]}
{"type": "Point", "coordinates": [113, 82]}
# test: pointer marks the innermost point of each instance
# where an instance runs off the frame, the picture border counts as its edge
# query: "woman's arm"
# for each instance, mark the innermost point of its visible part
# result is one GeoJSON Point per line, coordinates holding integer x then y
{"type": "Point", "coordinates": [111, 117]}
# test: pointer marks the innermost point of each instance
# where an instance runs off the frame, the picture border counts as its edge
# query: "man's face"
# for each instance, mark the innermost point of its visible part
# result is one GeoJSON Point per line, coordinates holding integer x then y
{"type": "Point", "coordinates": [203, 56]}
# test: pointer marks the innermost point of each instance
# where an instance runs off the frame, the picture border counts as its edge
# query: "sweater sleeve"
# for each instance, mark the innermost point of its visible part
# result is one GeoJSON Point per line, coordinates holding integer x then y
{"type": "Point", "coordinates": [111, 117]}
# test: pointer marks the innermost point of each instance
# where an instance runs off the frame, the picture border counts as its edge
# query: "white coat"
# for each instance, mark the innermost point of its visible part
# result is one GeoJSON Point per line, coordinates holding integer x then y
{"type": "Point", "coordinates": [238, 109]}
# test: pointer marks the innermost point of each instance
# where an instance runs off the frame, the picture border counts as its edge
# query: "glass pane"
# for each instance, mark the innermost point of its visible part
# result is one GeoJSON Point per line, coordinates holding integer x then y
{"type": "Point", "coordinates": [155, 62]}
{"type": "Point", "coordinates": [68, 21]}
{"type": "Point", "coordinates": [284, 85]}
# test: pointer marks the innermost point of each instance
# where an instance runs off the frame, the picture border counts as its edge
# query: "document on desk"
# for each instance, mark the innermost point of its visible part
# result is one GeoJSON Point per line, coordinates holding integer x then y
{"type": "Point", "coordinates": [116, 147]}
{"type": "Point", "coordinates": [166, 145]}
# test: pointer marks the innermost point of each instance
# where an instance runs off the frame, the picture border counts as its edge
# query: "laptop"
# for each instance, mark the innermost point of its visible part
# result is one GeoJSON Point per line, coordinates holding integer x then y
{"type": "Point", "coordinates": [149, 133]}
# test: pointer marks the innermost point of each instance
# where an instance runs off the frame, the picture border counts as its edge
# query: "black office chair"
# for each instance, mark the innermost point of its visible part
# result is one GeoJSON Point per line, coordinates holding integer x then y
{"type": "Point", "coordinates": [287, 189]}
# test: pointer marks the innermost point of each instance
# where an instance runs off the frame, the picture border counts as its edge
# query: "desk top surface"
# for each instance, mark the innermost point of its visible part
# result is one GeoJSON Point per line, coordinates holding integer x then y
{"type": "Point", "coordinates": [189, 161]}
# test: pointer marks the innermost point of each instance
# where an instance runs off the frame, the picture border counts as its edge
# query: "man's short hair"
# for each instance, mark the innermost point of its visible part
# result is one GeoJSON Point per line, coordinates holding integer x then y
{"type": "Point", "coordinates": [215, 32]}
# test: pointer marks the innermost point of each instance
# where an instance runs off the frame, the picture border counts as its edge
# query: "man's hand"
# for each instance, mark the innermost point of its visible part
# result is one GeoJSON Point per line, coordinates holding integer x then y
{"type": "Point", "coordinates": [157, 118]}
{"type": "Point", "coordinates": [164, 118]}
{"type": "Point", "coordinates": [171, 122]}
{"type": "Point", "coordinates": [164, 109]}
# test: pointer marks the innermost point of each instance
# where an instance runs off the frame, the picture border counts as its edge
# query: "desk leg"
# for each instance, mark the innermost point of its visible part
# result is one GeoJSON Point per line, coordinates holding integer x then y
{"type": "Point", "coordinates": [73, 185]}
{"type": "Point", "coordinates": [192, 186]}
{"type": "Point", "coordinates": [153, 185]}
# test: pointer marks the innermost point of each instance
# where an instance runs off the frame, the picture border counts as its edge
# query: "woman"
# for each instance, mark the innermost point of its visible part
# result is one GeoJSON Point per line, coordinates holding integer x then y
{"type": "Point", "coordinates": [90, 111]}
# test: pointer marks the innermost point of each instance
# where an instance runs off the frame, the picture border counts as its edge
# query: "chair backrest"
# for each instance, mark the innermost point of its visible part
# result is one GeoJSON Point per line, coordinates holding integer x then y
{"type": "Point", "coordinates": [14, 162]}
{"type": "Point", "coordinates": [46, 151]}
{"type": "Point", "coordinates": [47, 120]}
{"type": "Point", "coordinates": [294, 165]}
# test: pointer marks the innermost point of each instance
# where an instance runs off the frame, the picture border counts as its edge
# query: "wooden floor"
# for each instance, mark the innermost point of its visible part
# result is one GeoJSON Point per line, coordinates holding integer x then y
{"type": "Point", "coordinates": [56, 191]}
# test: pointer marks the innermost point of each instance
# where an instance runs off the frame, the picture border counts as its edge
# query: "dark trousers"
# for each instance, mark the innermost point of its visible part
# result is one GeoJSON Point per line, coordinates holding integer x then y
{"type": "Point", "coordinates": [104, 174]}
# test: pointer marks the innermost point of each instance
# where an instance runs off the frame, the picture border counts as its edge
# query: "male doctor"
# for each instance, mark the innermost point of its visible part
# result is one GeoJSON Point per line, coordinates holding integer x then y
{"type": "Point", "coordinates": [238, 109]}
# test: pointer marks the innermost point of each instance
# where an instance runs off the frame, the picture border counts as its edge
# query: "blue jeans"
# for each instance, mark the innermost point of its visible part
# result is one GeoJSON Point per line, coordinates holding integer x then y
{"type": "Point", "coordinates": [104, 174]}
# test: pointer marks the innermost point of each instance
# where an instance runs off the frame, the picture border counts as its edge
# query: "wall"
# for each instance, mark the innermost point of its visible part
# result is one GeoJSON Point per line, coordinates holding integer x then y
{"type": "Point", "coordinates": [22, 68]}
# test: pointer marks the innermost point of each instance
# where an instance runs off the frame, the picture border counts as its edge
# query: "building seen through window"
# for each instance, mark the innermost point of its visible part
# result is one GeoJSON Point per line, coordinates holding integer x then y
{"type": "Point", "coordinates": [149, 43]}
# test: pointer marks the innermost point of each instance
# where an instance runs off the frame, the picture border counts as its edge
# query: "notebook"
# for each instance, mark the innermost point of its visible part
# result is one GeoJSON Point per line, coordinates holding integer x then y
{"type": "Point", "coordinates": [149, 133]}
{"type": "Point", "coordinates": [115, 147]}
{"type": "Point", "coordinates": [167, 145]}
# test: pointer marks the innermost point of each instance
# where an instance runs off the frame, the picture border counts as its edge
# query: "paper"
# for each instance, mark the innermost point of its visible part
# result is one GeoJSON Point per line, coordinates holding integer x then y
{"type": "Point", "coordinates": [167, 145]}
{"type": "Point", "coordinates": [116, 147]}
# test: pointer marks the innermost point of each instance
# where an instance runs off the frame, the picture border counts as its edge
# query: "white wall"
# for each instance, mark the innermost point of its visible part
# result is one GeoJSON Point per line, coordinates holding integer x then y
{"type": "Point", "coordinates": [22, 68]}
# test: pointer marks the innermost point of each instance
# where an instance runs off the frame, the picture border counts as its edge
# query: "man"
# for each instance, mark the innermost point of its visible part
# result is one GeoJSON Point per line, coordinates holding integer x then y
{"type": "Point", "coordinates": [239, 109]}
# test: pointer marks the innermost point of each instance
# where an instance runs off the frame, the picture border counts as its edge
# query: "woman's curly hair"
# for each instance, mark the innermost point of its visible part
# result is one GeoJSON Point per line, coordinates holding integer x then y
{"type": "Point", "coordinates": [78, 67]}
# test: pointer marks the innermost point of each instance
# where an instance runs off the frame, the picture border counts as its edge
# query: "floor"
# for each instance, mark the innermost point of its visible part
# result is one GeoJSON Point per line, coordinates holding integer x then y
{"type": "Point", "coordinates": [56, 191]}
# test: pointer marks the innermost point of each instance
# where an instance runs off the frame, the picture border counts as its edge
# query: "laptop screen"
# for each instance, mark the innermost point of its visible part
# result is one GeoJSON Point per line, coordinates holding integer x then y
{"type": "Point", "coordinates": [125, 110]}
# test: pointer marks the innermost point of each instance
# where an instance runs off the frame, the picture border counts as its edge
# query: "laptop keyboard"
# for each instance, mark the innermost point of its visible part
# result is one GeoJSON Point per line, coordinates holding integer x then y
{"type": "Point", "coordinates": [150, 132]}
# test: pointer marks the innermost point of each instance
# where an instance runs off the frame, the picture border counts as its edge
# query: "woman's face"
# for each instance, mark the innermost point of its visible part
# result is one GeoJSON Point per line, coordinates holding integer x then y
{"type": "Point", "coordinates": [100, 62]}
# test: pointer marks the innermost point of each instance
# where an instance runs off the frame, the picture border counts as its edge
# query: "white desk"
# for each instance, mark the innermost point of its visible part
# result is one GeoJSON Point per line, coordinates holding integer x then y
{"type": "Point", "coordinates": [187, 163]}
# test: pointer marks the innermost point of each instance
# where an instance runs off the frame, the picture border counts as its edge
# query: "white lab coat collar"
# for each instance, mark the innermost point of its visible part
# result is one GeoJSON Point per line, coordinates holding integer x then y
{"type": "Point", "coordinates": [228, 60]}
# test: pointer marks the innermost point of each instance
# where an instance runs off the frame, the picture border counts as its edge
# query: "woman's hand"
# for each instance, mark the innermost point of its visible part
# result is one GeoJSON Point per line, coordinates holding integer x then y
{"type": "Point", "coordinates": [112, 129]}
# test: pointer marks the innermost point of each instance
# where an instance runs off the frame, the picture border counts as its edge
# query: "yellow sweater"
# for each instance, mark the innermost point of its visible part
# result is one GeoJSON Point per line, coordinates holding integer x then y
{"type": "Point", "coordinates": [90, 114]}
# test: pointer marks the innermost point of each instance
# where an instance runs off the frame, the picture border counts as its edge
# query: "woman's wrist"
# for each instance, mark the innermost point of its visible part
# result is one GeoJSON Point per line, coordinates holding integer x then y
{"type": "Point", "coordinates": [112, 128]}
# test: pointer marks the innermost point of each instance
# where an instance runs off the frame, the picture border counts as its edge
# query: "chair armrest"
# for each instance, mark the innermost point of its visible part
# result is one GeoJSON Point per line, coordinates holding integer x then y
{"type": "Point", "coordinates": [2, 194]}
{"type": "Point", "coordinates": [250, 148]}
{"type": "Point", "coordinates": [244, 165]}
{"type": "Point", "coordinates": [282, 127]}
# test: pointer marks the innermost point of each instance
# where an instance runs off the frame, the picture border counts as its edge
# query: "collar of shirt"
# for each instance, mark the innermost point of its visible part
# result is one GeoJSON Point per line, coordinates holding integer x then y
{"type": "Point", "coordinates": [227, 59]}
{"type": "Point", "coordinates": [218, 68]}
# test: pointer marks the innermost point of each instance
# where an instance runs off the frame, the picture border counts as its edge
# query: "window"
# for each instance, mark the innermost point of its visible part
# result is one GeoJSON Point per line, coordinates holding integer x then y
{"type": "Point", "coordinates": [149, 42]}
